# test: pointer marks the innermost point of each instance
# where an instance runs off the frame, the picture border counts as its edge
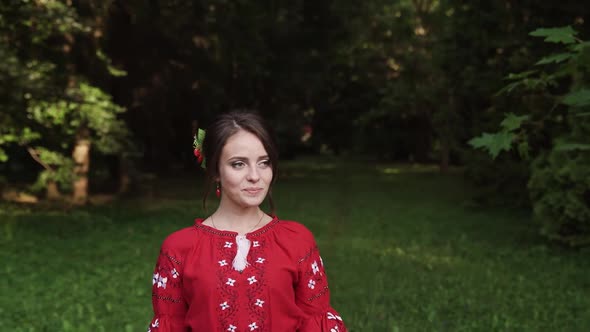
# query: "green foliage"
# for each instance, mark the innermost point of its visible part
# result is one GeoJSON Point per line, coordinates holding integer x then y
{"type": "Point", "coordinates": [96, 111]}
{"type": "Point", "coordinates": [555, 58]}
{"type": "Point", "coordinates": [571, 146]}
{"type": "Point", "coordinates": [513, 122]}
{"type": "Point", "coordinates": [61, 171]}
{"type": "Point", "coordinates": [501, 141]}
{"type": "Point", "coordinates": [85, 107]}
{"type": "Point", "coordinates": [564, 35]}
{"type": "Point", "coordinates": [533, 81]}
{"type": "Point", "coordinates": [559, 185]}
{"type": "Point", "coordinates": [578, 98]}
{"type": "Point", "coordinates": [113, 71]}
{"type": "Point", "coordinates": [560, 190]}
{"type": "Point", "coordinates": [45, 101]}
{"type": "Point", "coordinates": [493, 143]}
{"type": "Point", "coordinates": [198, 145]}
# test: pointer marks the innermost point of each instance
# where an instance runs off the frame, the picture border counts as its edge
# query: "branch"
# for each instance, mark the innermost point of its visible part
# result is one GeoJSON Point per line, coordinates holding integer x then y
{"type": "Point", "coordinates": [35, 155]}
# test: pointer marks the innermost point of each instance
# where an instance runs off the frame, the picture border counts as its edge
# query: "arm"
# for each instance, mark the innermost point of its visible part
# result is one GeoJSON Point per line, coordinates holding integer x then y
{"type": "Point", "coordinates": [167, 297]}
{"type": "Point", "coordinates": [313, 295]}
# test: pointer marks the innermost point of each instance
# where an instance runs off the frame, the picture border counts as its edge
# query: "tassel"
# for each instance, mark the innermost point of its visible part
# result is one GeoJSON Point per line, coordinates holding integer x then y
{"type": "Point", "coordinates": [241, 260]}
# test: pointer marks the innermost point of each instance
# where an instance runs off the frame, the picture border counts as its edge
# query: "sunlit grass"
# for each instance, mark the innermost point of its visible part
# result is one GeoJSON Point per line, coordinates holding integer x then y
{"type": "Point", "coordinates": [404, 250]}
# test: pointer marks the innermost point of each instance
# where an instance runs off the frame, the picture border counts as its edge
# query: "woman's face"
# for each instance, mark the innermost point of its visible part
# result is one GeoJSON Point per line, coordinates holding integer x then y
{"type": "Point", "coordinates": [245, 172]}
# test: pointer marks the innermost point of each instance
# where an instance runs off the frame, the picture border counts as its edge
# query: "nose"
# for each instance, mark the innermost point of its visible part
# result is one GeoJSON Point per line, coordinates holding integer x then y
{"type": "Point", "coordinates": [253, 175]}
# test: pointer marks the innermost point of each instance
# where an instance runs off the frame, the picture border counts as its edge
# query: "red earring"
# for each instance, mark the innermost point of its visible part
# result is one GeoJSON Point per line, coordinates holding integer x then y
{"type": "Point", "coordinates": [218, 190]}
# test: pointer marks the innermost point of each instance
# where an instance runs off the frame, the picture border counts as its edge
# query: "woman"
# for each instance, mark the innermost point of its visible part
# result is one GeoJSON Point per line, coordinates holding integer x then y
{"type": "Point", "coordinates": [241, 269]}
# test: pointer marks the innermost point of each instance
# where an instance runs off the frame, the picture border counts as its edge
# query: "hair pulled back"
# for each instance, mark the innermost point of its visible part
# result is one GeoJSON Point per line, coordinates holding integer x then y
{"type": "Point", "coordinates": [221, 129]}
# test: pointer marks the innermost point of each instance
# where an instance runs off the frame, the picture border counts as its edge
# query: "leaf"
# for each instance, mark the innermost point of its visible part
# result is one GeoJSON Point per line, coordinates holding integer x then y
{"type": "Point", "coordinates": [522, 75]}
{"type": "Point", "coordinates": [493, 143]}
{"type": "Point", "coordinates": [509, 88]}
{"type": "Point", "coordinates": [577, 98]}
{"type": "Point", "coordinates": [116, 72]}
{"type": "Point", "coordinates": [513, 121]}
{"type": "Point", "coordinates": [579, 47]}
{"type": "Point", "coordinates": [572, 147]}
{"type": "Point", "coordinates": [201, 135]}
{"type": "Point", "coordinates": [557, 58]}
{"type": "Point", "coordinates": [3, 155]}
{"type": "Point", "coordinates": [565, 35]}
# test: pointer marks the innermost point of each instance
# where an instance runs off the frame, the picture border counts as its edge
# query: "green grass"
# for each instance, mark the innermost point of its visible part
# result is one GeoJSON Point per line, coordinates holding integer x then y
{"type": "Point", "coordinates": [404, 250]}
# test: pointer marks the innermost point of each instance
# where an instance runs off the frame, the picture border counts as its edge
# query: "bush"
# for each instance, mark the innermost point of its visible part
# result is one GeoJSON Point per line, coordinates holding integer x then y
{"type": "Point", "coordinates": [559, 186]}
{"type": "Point", "coordinates": [560, 189]}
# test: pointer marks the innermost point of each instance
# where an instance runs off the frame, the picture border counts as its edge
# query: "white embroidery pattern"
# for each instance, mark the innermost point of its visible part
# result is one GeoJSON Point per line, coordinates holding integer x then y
{"type": "Point", "coordinates": [334, 329]}
{"type": "Point", "coordinates": [228, 244]}
{"type": "Point", "coordinates": [156, 323]}
{"type": "Point", "coordinates": [222, 263]}
{"type": "Point", "coordinates": [230, 281]}
{"type": "Point", "coordinates": [252, 280]}
{"type": "Point", "coordinates": [253, 326]}
{"type": "Point", "coordinates": [224, 305]}
{"type": "Point", "coordinates": [174, 273]}
{"type": "Point", "coordinates": [155, 278]}
{"type": "Point", "coordinates": [255, 244]}
{"type": "Point", "coordinates": [315, 267]}
{"type": "Point", "coordinates": [332, 316]}
{"type": "Point", "coordinates": [311, 284]}
{"type": "Point", "coordinates": [162, 282]}
{"type": "Point", "coordinates": [260, 260]}
{"type": "Point", "coordinates": [231, 328]}
{"type": "Point", "coordinates": [259, 302]}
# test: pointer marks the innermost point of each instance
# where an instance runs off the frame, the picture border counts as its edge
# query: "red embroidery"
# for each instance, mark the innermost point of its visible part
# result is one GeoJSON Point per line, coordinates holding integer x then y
{"type": "Point", "coordinates": [227, 286]}
{"type": "Point", "coordinates": [257, 301]}
{"type": "Point", "coordinates": [313, 275]}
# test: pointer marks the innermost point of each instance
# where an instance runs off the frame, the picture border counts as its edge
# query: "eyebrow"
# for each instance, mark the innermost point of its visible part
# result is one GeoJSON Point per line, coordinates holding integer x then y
{"type": "Point", "coordinates": [244, 158]}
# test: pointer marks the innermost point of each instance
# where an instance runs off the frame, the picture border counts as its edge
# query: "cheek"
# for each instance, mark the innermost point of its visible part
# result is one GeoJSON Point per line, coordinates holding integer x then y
{"type": "Point", "coordinates": [268, 175]}
{"type": "Point", "coordinates": [229, 178]}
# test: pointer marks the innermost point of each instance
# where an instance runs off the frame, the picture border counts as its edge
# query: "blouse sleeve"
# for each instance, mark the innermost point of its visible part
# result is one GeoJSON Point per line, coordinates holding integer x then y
{"type": "Point", "coordinates": [169, 305]}
{"type": "Point", "coordinates": [313, 295]}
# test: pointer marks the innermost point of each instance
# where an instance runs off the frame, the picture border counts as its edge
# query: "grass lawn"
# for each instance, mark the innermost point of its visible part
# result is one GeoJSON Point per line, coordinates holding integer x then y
{"type": "Point", "coordinates": [403, 248]}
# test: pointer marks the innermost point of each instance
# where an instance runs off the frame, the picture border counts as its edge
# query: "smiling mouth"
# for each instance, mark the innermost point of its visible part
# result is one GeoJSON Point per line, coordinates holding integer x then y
{"type": "Point", "coordinates": [253, 191]}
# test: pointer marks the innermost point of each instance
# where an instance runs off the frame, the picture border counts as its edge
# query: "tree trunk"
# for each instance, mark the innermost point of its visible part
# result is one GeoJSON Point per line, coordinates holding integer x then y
{"type": "Point", "coordinates": [447, 134]}
{"type": "Point", "coordinates": [124, 180]}
{"type": "Point", "coordinates": [81, 156]}
{"type": "Point", "coordinates": [52, 191]}
{"type": "Point", "coordinates": [444, 155]}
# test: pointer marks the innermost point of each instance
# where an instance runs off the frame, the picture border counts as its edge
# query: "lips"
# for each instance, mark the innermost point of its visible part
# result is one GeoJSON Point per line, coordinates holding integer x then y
{"type": "Point", "coordinates": [253, 191]}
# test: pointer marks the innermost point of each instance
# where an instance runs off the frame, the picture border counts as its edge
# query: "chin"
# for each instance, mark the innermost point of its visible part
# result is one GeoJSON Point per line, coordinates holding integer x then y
{"type": "Point", "coordinates": [252, 201]}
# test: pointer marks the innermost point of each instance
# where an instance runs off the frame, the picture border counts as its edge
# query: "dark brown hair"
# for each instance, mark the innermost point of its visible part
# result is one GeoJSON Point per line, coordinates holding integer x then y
{"type": "Point", "coordinates": [225, 126]}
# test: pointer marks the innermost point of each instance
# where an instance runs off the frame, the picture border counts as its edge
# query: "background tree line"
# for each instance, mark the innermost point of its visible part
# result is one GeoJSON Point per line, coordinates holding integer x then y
{"type": "Point", "coordinates": [94, 91]}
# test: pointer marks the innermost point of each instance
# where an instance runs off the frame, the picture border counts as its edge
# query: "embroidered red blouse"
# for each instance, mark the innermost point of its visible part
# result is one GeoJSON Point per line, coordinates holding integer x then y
{"type": "Point", "coordinates": [284, 289]}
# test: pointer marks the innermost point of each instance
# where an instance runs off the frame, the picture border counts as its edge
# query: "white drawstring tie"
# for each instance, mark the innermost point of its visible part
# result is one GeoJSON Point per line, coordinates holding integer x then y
{"type": "Point", "coordinates": [241, 260]}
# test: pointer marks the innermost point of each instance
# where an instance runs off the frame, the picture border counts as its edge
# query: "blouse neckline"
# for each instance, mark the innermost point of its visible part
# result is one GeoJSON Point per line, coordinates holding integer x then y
{"type": "Point", "coordinates": [215, 231]}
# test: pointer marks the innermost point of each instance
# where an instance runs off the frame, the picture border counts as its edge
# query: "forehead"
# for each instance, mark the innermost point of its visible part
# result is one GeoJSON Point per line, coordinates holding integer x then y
{"type": "Point", "coordinates": [243, 143]}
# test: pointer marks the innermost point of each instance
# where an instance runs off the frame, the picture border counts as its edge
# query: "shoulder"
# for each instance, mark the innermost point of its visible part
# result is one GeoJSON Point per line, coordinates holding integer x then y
{"type": "Point", "coordinates": [296, 231]}
{"type": "Point", "coordinates": [180, 240]}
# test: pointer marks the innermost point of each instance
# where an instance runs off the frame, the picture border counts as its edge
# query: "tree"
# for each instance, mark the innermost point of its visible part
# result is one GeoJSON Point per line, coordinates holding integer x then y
{"type": "Point", "coordinates": [559, 185]}
{"type": "Point", "coordinates": [50, 108]}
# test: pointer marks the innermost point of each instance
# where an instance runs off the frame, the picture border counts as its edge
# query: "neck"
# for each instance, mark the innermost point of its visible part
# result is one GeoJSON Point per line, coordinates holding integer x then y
{"type": "Point", "coordinates": [237, 219]}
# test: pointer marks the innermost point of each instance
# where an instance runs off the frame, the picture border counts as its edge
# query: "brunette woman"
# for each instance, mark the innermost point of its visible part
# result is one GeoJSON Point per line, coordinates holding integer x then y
{"type": "Point", "coordinates": [241, 269]}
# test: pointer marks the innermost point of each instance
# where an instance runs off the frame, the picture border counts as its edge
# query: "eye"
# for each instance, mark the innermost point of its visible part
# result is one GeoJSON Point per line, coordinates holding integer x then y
{"type": "Point", "coordinates": [238, 164]}
{"type": "Point", "coordinates": [264, 163]}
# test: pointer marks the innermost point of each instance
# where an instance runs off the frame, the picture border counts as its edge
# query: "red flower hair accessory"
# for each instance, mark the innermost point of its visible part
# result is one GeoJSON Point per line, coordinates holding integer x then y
{"type": "Point", "coordinates": [198, 146]}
